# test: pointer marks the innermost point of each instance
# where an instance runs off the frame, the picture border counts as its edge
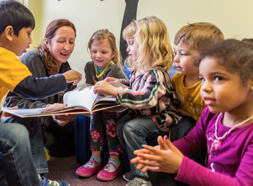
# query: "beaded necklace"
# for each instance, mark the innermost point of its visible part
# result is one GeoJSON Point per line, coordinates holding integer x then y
{"type": "Point", "coordinates": [217, 141]}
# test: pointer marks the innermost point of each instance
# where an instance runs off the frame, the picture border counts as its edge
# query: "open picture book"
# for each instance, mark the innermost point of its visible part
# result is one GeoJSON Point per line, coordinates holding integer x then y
{"type": "Point", "coordinates": [81, 100]}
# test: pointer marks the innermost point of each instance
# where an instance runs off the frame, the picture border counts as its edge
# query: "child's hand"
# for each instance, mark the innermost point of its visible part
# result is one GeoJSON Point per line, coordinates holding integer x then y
{"type": "Point", "coordinates": [106, 88]}
{"type": "Point", "coordinates": [7, 115]}
{"type": "Point", "coordinates": [166, 159]}
{"type": "Point", "coordinates": [72, 76]}
{"type": "Point", "coordinates": [112, 79]}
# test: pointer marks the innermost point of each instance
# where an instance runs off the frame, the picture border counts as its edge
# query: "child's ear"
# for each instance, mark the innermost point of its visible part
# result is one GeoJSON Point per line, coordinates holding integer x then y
{"type": "Point", "coordinates": [113, 54]}
{"type": "Point", "coordinates": [251, 83]}
{"type": "Point", "coordinates": [9, 33]}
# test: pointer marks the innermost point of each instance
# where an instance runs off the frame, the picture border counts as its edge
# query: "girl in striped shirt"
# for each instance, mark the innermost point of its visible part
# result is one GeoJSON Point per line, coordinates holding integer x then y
{"type": "Point", "coordinates": [152, 107]}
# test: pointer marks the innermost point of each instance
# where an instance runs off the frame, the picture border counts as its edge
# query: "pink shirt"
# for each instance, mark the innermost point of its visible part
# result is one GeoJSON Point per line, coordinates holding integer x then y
{"type": "Point", "coordinates": [231, 163]}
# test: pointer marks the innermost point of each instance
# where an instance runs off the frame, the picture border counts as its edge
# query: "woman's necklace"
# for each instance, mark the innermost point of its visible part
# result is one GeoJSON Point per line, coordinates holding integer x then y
{"type": "Point", "coordinates": [217, 142]}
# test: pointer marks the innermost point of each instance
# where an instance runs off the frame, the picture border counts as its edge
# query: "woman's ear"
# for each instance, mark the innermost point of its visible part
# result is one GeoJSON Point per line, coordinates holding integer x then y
{"type": "Point", "coordinates": [9, 33]}
{"type": "Point", "coordinates": [46, 41]}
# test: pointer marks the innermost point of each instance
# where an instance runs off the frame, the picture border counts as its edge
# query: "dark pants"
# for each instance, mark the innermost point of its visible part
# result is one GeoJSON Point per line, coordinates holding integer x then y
{"type": "Point", "coordinates": [164, 179]}
{"type": "Point", "coordinates": [133, 133]}
{"type": "Point", "coordinates": [182, 128]}
{"type": "Point", "coordinates": [179, 131]}
{"type": "Point", "coordinates": [59, 140]}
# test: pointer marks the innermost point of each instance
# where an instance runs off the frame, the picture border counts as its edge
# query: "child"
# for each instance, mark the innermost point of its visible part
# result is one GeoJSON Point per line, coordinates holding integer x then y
{"type": "Point", "coordinates": [189, 42]}
{"type": "Point", "coordinates": [45, 61]}
{"type": "Point", "coordinates": [16, 25]}
{"type": "Point", "coordinates": [105, 63]}
{"type": "Point", "coordinates": [105, 58]}
{"type": "Point", "coordinates": [226, 125]}
{"type": "Point", "coordinates": [153, 110]}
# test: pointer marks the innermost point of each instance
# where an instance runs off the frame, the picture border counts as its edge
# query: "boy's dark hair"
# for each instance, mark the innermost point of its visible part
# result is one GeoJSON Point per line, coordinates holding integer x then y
{"type": "Point", "coordinates": [236, 56]}
{"type": "Point", "coordinates": [15, 14]}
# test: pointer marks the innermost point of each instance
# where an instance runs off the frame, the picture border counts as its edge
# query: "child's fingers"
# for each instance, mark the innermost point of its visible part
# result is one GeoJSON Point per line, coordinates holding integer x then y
{"type": "Point", "coordinates": [13, 108]}
{"type": "Point", "coordinates": [145, 169]}
{"type": "Point", "coordinates": [149, 157]}
{"type": "Point", "coordinates": [152, 166]}
{"type": "Point", "coordinates": [138, 167]}
{"type": "Point", "coordinates": [144, 151]}
{"type": "Point", "coordinates": [142, 167]}
{"type": "Point", "coordinates": [152, 150]}
{"type": "Point", "coordinates": [154, 169]}
{"type": "Point", "coordinates": [161, 143]}
{"type": "Point", "coordinates": [169, 144]}
{"type": "Point", "coordinates": [149, 163]}
{"type": "Point", "coordinates": [135, 160]}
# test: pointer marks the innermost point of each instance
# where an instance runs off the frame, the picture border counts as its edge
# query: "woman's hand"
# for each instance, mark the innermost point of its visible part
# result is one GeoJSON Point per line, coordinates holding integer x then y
{"type": "Point", "coordinates": [56, 106]}
{"type": "Point", "coordinates": [105, 88]}
{"type": "Point", "coordinates": [7, 115]}
{"type": "Point", "coordinates": [62, 120]}
{"type": "Point", "coordinates": [167, 158]}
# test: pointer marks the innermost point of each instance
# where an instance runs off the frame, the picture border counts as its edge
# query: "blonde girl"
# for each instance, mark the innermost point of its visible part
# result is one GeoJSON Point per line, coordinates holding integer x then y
{"type": "Point", "coordinates": [153, 110]}
{"type": "Point", "coordinates": [105, 63]}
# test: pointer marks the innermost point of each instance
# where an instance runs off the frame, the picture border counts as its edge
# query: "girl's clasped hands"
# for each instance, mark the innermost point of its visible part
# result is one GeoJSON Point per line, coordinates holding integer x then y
{"type": "Point", "coordinates": [162, 158]}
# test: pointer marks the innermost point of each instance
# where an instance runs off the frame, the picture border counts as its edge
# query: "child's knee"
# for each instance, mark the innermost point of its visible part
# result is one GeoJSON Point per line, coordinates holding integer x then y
{"type": "Point", "coordinates": [130, 130]}
{"type": "Point", "coordinates": [18, 134]}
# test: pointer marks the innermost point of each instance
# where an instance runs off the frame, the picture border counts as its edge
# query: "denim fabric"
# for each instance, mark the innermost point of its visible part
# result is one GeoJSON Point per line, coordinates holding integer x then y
{"type": "Point", "coordinates": [36, 141]}
{"type": "Point", "coordinates": [3, 181]}
{"type": "Point", "coordinates": [133, 133]}
{"type": "Point", "coordinates": [16, 155]}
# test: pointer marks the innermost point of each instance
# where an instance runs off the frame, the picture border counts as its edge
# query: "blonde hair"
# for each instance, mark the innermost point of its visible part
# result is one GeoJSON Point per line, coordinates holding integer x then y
{"type": "Point", "coordinates": [200, 35]}
{"type": "Point", "coordinates": [154, 48]}
{"type": "Point", "coordinates": [104, 35]}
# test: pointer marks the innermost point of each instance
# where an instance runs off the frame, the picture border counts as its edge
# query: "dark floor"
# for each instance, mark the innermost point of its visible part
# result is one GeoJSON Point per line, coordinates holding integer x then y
{"type": "Point", "coordinates": [64, 169]}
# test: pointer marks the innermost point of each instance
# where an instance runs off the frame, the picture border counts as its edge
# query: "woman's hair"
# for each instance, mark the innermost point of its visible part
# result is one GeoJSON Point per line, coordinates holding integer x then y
{"type": "Point", "coordinates": [105, 35]}
{"type": "Point", "coordinates": [50, 61]}
{"type": "Point", "coordinates": [154, 48]}
{"type": "Point", "coordinates": [198, 36]}
{"type": "Point", "coordinates": [248, 40]}
{"type": "Point", "coordinates": [15, 14]}
{"type": "Point", "coordinates": [236, 56]}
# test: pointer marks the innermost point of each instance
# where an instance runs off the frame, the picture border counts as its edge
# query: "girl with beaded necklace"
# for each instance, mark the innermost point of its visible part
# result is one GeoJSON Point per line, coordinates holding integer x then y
{"type": "Point", "coordinates": [226, 125]}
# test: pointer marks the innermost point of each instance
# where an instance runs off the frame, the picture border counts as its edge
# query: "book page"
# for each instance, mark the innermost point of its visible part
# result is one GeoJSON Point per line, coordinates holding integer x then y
{"type": "Point", "coordinates": [38, 112]}
{"type": "Point", "coordinates": [84, 97]}
{"type": "Point", "coordinates": [81, 100]}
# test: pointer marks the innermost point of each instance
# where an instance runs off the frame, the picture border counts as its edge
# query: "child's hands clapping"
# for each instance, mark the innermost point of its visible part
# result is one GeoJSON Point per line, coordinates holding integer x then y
{"type": "Point", "coordinates": [105, 88]}
{"type": "Point", "coordinates": [167, 158]}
